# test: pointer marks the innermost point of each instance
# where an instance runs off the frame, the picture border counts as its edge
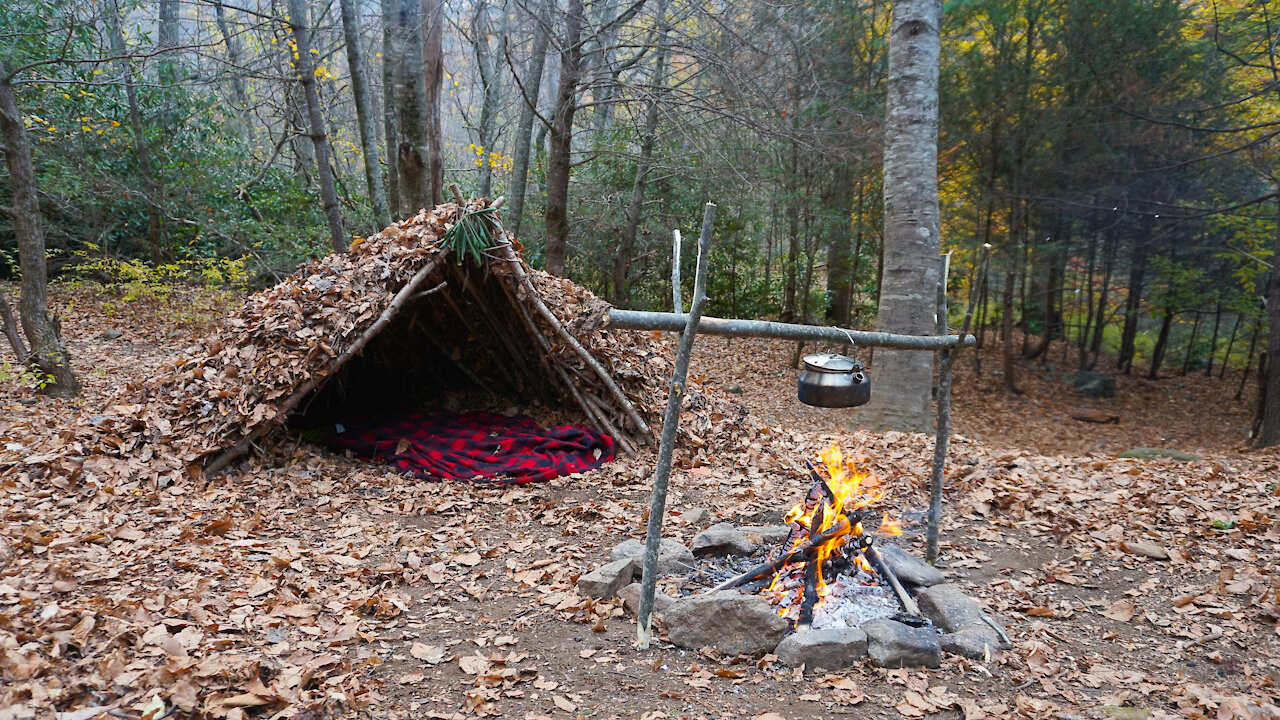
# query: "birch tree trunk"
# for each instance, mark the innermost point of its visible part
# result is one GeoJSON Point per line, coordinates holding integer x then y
{"type": "Point", "coordinates": [319, 139]}
{"type": "Point", "coordinates": [364, 113]}
{"type": "Point", "coordinates": [908, 292]}
{"type": "Point", "coordinates": [46, 351]}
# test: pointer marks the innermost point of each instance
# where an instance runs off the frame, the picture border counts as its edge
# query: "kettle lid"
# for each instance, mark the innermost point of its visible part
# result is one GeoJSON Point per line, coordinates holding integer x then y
{"type": "Point", "coordinates": [831, 363]}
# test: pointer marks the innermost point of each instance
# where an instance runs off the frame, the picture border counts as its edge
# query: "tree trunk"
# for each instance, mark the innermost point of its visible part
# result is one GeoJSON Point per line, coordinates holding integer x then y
{"type": "Point", "coordinates": [1082, 341]}
{"type": "Point", "coordinates": [1162, 343]}
{"type": "Point", "coordinates": [412, 144]}
{"type": "Point", "coordinates": [489, 64]}
{"type": "Point", "coordinates": [911, 230]}
{"type": "Point", "coordinates": [1213, 339]}
{"type": "Point", "coordinates": [1133, 305]}
{"type": "Point", "coordinates": [364, 113]}
{"type": "Point", "coordinates": [561, 139]}
{"type": "Point", "coordinates": [166, 38]}
{"type": "Point", "coordinates": [46, 352]}
{"type": "Point", "coordinates": [1231, 343]}
{"type": "Point", "coordinates": [524, 129]}
{"type": "Point", "coordinates": [390, 132]}
{"type": "Point", "coordinates": [1051, 315]}
{"type": "Point", "coordinates": [622, 256]}
{"type": "Point", "coordinates": [1191, 344]}
{"type": "Point", "coordinates": [150, 187]}
{"type": "Point", "coordinates": [791, 265]}
{"type": "Point", "coordinates": [839, 264]}
{"type": "Point", "coordinates": [1006, 331]}
{"type": "Point", "coordinates": [1269, 433]}
{"type": "Point", "coordinates": [239, 91]}
{"type": "Point", "coordinates": [304, 153]}
{"type": "Point", "coordinates": [1253, 345]}
{"type": "Point", "coordinates": [433, 72]}
{"type": "Point", "coordinates": [1110, 246]}
{"type": "Point", "coordinates": [306, 75]}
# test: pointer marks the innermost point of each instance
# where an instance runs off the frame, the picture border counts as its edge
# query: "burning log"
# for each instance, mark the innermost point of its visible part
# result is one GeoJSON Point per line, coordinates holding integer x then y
{"type": "Point", "coordinates": [812, 571]}
{"type": "Point", "coordinates": [807, 550]}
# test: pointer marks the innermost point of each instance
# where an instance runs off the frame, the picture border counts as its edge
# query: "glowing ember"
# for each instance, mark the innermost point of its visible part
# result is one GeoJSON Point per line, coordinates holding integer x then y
{"type": "Point", "coordinates": [828, 527]}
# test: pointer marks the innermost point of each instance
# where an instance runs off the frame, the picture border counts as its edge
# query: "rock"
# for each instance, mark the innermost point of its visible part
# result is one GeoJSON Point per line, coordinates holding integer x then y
{"type": "Point", "coordinates": [910, 569]}
{"type": "Point", "coordinates": [973, 642]}
{"type": "Point", "coordinates": [672, 556]}
{"type": "Point", "coordinates": [1094, 385]}
{"type": "Point", "coordinates": [694, 516]}
{"type": "Point", "coordinates": [826, 649]}
{"type": "Point", "coordinates": [1143, 453]}
{"type": "Point", "coordinates": [735, 388]}
{"type": "Point", "coordinates": [892, 644]}
{"type": "Point", "coordinates": [631, 599]}
{"type": "Point", "coordinates": [1145, 549]}
{"type": "Point", "coordinates": [766, 534]}
{"type": "Point", "coordinates": [174, 334]}
{"type": "Point", "coordinates": [606, 580]}
{"type": "Point", "coordinates": [731, 622]}
{"type": "Point", "coordinates": [950, 609]}
{"type": "Point", "coordinates": [112, 334]}
{"type": "Point", "coordinates": [720, 540]}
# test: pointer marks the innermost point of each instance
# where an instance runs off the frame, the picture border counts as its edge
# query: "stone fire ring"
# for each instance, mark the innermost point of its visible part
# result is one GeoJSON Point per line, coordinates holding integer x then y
{"type": "Point", "coordinates": [736, 623]}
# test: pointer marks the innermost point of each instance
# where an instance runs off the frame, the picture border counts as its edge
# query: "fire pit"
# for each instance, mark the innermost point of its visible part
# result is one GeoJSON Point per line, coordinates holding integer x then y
{"type": "Point", "coordinates": [823, 590]}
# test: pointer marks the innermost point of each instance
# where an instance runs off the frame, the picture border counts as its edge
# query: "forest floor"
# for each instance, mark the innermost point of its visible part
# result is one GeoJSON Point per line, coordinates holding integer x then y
{"type": "Point", "coordinates": [310, 582]}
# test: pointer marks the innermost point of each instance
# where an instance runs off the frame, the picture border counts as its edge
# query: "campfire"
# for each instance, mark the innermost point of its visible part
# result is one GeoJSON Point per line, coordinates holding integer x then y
{"type": "Point", "coordinates": [828, 571]}
{"type": "Point", "coordinates": [830, 586]}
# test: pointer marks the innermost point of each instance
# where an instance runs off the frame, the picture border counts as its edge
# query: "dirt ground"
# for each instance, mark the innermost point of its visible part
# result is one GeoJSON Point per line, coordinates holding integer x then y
{"type": "Point", "coordinates": [309, 585]}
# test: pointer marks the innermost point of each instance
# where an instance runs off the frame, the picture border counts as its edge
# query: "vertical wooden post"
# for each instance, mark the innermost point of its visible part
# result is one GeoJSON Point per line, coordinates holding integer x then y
{"type": "Point", "coordinates": [677, 304]}
{"type": "Point", "coordinates": [670, 421]}
{"type": "Point", "coordinates": [943, 423]}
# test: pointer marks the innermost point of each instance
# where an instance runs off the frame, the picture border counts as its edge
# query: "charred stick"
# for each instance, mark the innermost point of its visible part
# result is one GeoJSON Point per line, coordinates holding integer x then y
{"type": "Point", "coordinates": [812, 578]}
{"type": "Point", "coordinates": [804, 552]}
{"type": "Point", "coordinates": [882, 567]}
{"type": "Point", "coordinates": [819, 483]}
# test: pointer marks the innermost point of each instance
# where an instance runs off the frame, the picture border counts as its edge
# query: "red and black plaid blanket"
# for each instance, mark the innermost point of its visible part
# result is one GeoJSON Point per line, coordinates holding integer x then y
{"type": "Point", "coordinates": [477, 446]}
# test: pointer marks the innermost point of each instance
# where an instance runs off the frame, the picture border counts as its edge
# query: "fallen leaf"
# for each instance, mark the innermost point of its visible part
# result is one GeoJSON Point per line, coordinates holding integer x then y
{"type": "Point", "coordinates": [430, 654]}
{"type": "Point", "coordinates": [1121, 610]}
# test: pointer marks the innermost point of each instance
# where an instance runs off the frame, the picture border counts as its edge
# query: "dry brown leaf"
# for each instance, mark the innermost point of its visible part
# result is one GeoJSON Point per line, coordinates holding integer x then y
{"type": "Point", "coordinates": [1122, 610]}
{"type": "Point", "coordinates": [430, 654]}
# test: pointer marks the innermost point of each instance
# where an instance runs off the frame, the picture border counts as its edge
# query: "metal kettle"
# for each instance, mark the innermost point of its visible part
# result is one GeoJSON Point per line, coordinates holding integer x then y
{"type": "Point", "coordinates": [833, 381]}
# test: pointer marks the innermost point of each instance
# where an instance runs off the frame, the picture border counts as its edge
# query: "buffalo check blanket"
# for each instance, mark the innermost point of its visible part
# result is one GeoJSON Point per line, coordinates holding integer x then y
{"type": "Point", "coordinates": [475, 446]}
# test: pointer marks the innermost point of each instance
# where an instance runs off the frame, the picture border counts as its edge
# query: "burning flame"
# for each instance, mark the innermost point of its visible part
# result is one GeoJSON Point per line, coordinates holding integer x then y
{"type": "Point", "coordinates": [820, 515]}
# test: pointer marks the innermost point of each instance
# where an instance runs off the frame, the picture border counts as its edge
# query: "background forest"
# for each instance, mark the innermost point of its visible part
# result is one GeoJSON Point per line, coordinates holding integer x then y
{"type": "Point", "coordinates": [1117, 158]}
